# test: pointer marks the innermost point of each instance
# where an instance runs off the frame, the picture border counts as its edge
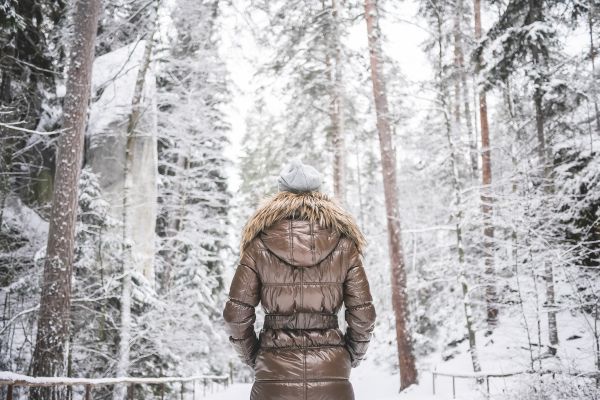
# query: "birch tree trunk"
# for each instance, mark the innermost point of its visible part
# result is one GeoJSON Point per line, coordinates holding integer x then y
{"type": "Point", "coordinates": [50, 354]}
{"type": "Point", "coordinates": [548, 269]}
{"type": "Point", "coordinates": [487, 201]}
{"type": "Point", "coordinates": [128, 260]}
{"type": "Point", "coordinates": [406, 359]}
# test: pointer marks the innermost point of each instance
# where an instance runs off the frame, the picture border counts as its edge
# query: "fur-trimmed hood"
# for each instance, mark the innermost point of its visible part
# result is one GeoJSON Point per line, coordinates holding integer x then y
{"type": "Point", "coordinates": [315, 207]}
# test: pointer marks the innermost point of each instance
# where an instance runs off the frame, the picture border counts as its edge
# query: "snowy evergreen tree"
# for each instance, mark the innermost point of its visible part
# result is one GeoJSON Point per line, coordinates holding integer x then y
{"type": "Point", "coordinates": [194, 196]}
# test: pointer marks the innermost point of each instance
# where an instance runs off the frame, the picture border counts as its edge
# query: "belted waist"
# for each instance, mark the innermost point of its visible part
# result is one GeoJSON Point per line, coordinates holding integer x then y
{"type": "Point", "coordinates": [301, 321]}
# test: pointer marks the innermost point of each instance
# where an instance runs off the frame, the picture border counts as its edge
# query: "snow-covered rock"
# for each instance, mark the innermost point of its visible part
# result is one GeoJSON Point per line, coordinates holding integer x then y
{"type": "Point", "coordinates": [113, 84]}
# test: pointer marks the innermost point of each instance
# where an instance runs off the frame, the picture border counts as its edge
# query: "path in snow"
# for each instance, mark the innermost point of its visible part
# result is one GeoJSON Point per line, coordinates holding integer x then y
{"type": "Point", "coordinates": [369, 384]}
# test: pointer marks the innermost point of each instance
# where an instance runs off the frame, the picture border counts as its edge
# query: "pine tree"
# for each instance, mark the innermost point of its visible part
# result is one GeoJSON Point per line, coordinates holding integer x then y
{"type": "Point", "coordinates": [53, 322]}
{"type": "Point", "coordinates": [487, 201]}
{"type": "Point", "coordinates": [194, 195]}
{"type": "Point", "coordinates": [530, 42]}
{"type": "Point", "coordinates": [406, 359]}
{"type": "Point", "coordinates": [32, 67]}
{"type": "Point", "coordinates": [308, 71]}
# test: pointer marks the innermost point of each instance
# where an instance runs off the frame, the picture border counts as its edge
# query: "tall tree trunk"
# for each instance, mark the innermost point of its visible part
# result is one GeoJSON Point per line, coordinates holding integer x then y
{"type": "Point", "coordinates": [544, 159]}
{"type": "Point", "coordinates": [406, 358]}
{"type": "Point", "coordinates": [461, 83]}
{"type": "Point", "coordinates": [469, 323]}
{"type": "Point", "coordinates": [548, 269]}
{"type": "Point", "coordinates": [337, 111]}
{"type": "Point", "coordinates": [487, 201]}
{"type": "Point", "coordinates": [49, 356]}
{"type": "Point", "coordinates": [591, 13]}
{"type": "Point", "coordinates": [127, 259]}
{"type": "Point", "coordinates": [446, 107]}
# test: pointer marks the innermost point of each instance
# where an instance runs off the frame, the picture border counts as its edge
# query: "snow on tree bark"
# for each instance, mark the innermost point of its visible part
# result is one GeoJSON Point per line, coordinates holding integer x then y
{"type": "Point", "coordinates": [458, 203]}
{"type": "Point", "coordinates": [50, 352]}
{"type": "Point", "coordinates": [534, 16]}
{"type": "Point", "coordinates": [406, 358]}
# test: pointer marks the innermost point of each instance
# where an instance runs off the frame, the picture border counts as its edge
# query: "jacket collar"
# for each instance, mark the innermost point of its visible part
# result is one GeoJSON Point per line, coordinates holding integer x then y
{"type": "Point", "coordinates": [316, 207]}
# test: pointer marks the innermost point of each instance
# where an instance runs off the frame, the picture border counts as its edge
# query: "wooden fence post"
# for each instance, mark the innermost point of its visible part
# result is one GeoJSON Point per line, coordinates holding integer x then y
{"type": "Point", "coordinates": [212, 383]}
{"type": "Point", "coordinates": [453, 387]}
{"type": "Point", "coordinates": [130, 391]}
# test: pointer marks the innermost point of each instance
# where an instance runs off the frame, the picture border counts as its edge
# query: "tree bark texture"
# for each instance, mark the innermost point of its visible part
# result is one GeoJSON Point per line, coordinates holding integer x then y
{"type": "Point", "coordinates": [50, 352]}
{"type": "Point", "coordinates": [487, 201]}
{"type": "Point", "coordinates": [458, 214]}
{"type": "Point", "coordinates": [337, 111]}
{"type": "Point", "coordinates": [461, 83]}
{"type": "Point", "coordinates": [406, 359]}
{"type": "Point", "coordinates": [536, 15]}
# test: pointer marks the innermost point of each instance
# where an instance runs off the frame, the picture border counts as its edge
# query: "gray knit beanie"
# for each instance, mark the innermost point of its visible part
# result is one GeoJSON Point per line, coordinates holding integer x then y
{"type": "Point", "coordinates": [297, 177]}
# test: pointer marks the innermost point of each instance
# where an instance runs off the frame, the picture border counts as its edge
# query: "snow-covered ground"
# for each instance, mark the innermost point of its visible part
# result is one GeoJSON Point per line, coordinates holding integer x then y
{"type": "Point", "coordinates": [372, 383]}
{"type": "Point", "coordinates": [502, 352]}
{"type": "Point", "coordinates": [369, 384]}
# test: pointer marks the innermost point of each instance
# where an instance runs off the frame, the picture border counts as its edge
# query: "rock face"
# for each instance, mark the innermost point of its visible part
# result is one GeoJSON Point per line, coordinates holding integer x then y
{"type": "Point", "coordinates": [113, 85]}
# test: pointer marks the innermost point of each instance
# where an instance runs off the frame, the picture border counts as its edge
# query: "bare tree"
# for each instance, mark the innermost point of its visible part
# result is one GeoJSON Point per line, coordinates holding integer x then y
{"type": "Point", "coordinates": [406, 358]}
{"type": "Point", "coordinates": [54, 316]}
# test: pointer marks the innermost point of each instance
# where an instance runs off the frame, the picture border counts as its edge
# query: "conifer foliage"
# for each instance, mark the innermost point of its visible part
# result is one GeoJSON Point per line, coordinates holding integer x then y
{"type": "Point", "coordinates": [137, 136]}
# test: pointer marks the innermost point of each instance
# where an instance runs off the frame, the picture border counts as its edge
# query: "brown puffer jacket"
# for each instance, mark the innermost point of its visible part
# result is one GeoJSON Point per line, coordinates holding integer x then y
{"type": "Point", "coordinates": [300, 258]}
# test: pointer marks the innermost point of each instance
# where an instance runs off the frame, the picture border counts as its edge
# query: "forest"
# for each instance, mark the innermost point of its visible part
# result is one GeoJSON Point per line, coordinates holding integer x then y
{"type": "Point", "coordinates": [138, 136]}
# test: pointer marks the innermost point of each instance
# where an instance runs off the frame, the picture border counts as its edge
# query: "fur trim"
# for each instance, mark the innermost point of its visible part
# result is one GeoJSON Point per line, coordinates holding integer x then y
{"type": "Point", "coordinates": [314, 206]}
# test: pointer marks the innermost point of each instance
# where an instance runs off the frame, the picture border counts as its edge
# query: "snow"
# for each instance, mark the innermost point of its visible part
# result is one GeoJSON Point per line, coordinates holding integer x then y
{"type": "Point", "coordinates": [17, 215]}
{"type": "Point", "coordinates": [11, 377]}
{"type": "Point", "coordinates": [114, 79]}
{"type": "Point", "coordinates": [369, 382]}
{"type": "Point", "coordinates": [184, 329]}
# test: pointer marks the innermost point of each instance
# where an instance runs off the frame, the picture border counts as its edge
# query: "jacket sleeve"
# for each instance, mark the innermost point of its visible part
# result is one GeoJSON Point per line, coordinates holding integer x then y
{"type": "Point", "coordinates": [360, 313]}
{"type": "Point", "coordinates": [239, 315]}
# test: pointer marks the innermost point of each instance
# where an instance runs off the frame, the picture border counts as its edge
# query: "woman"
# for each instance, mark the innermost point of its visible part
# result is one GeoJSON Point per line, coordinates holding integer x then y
{"type": "Point", "coordinates": [301, 258]}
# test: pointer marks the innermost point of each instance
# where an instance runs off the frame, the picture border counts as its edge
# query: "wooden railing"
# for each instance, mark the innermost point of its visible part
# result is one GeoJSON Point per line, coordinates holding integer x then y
{"type": "Point", "coordinates": [485, 377]}
{"type": "Point", "coordinates": [204, 383]}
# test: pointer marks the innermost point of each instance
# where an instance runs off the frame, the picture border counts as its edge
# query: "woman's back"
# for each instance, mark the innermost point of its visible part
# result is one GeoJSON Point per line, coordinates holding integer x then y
{"type": "Point", "coordinates": [301, 260]}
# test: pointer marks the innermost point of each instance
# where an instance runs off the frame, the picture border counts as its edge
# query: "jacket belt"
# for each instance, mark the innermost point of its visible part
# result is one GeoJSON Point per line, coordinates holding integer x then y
{"type": "Point", "coordinates": [301, 321]}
